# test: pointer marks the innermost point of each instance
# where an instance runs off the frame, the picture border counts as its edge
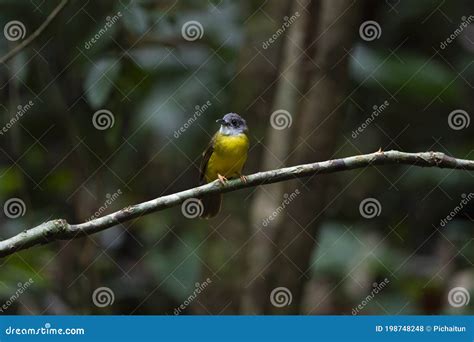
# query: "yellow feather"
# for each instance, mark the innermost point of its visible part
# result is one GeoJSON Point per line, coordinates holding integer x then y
{"type": "Point", "coordinates": [228, 157]}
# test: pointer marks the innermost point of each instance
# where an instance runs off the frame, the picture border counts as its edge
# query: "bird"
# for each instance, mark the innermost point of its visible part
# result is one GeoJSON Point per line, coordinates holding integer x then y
{"type": "Point", "coordinates": [223, 159]}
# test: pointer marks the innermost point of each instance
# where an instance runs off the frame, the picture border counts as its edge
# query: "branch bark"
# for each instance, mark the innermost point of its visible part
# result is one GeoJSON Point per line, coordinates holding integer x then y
{"type": "Point", "coordinates": [60, 229]}
{"type": "Point", "coordinates": [35, 34]}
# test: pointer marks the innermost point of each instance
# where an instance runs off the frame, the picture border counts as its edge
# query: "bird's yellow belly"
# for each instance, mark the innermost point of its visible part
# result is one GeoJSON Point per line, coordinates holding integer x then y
{"type": "Point", "coordinates": [228, 157]}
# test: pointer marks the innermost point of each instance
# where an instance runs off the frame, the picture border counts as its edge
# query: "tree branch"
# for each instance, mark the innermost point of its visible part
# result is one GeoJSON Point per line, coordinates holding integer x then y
{"type": "Point", "coordinates": [60, 229]}
{"type": "Point", "coordinates": [35, 34]}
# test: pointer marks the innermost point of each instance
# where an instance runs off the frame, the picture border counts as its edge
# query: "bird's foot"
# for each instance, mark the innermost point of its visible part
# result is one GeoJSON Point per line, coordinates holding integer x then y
{"type": "Point", "coordinates": [221, 179]}
{"type": "Point", "coordinates": [244, 179]}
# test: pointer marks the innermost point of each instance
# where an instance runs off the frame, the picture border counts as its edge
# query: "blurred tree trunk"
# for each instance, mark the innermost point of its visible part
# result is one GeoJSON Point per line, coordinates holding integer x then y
{"type": "Point", "coordinates": [277, 145]}
{"type": "Point", "coordinates": [253, 84]}
{"type": "Point", "coordinates": [318, 126]}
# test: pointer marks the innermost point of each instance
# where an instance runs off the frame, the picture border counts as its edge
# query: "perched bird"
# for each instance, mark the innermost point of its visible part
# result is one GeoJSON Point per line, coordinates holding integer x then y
{"type": "Point", "coordinates": [224, 158]}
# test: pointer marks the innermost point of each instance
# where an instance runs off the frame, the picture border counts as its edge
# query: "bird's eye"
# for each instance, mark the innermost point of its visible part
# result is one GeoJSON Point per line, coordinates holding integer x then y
{"type": "Point", "coordinates": [234, 122]}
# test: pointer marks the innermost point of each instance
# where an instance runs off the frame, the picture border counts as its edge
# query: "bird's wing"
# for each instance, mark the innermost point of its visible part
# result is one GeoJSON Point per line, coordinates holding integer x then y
{"type": "Point", "coordinates": [205, 159]}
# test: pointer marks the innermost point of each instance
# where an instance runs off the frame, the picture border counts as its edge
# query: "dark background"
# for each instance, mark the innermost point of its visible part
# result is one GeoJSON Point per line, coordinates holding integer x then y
{"type": "Point", "coordinates": [322, 72]}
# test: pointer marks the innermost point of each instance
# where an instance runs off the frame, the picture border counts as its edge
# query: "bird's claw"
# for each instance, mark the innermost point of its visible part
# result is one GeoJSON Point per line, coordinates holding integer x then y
{"type": "Point", "coordinates": [221, 179]}
{"type": "Point", "coordinates": [244, 179]}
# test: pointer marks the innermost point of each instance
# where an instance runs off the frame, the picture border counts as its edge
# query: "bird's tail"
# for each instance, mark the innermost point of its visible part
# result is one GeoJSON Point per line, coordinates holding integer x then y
{"type": "Point", "coordinates": [211, 205]}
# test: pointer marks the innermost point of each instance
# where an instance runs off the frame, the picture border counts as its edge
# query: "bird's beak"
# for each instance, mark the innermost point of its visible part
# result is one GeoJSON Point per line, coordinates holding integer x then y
{"type": "Point", "coordinates": [220, 121]}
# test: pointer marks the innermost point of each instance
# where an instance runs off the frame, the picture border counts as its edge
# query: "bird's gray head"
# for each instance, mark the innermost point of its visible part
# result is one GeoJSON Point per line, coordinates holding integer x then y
{"type": "Point", "coordinates": [232, 124]}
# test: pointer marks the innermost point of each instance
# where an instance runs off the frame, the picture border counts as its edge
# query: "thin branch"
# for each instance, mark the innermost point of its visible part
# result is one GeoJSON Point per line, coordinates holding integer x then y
{"type": "Point", "coordinates": [60, 229]}
{"type": "Point", "coordinates": [35, 34]}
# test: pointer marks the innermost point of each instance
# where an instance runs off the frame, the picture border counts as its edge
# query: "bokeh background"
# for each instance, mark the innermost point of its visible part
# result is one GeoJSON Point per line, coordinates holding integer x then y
{"type": "Point", "coordinates": [124, 97]}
